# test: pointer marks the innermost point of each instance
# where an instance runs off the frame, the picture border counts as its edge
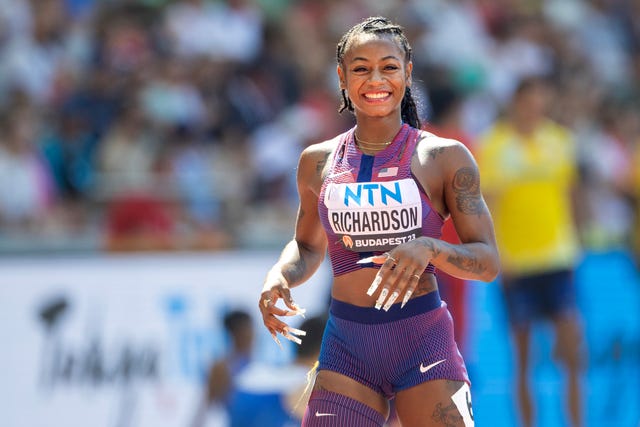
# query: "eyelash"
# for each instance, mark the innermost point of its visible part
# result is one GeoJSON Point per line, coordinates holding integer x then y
{"type": "Point", "coordinates": [386, 68]}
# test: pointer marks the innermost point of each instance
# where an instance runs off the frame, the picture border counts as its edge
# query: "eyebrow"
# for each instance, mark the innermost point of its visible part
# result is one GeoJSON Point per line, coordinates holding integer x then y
{"type": "Point", "coordinates": [360, 58]}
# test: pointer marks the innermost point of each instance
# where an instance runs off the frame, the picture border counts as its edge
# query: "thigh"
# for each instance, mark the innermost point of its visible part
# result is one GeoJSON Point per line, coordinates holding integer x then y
{"type": "Point", "coordinates": [521, 339]}
{"type": "Point", "coordinates": [522, 300]}
{"type": "Point", "coordinates": [342, 384]}
{"type": "Point", "coordinates": [435, 403]}
{"type": "Point", "coordinates": [538, 296]}
{"type": "Point", "coordinates": [560, 294]}
{"type": "Point", "coordinates": [568, 339]}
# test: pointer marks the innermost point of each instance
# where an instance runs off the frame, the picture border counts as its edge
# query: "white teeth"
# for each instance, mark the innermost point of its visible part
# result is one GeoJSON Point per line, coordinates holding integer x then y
{"type": "Point", "coordinates": [376, 95]}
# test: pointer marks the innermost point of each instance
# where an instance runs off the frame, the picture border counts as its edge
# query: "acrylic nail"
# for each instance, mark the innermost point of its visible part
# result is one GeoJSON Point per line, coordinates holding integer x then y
{"type": "Point", "coordinates": [275, 338]}
{"type": "Point", "coordinates": [374, 285]}
{"type": "Point", "coordinates": [382, 297]}
{"type": "Point", "coordinates": [391, 300]}
{"type": "Point", "coordinates": [299, 310]}
{"type": "Point", "coordinates": [292, 338]}
{"type": "Point", "coordinates": [295, 331]}
{"type": "Point", "coordinates": [407, 297]}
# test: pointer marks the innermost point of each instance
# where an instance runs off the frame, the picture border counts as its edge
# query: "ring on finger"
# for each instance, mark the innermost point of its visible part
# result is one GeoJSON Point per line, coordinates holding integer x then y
{"type": "Point", "coordinates": [417, 276]}
{"type": "Point", "coordinates": [395, 261]}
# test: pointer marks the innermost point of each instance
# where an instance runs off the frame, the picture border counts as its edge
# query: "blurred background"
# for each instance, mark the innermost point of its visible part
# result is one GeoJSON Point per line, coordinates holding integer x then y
{"type": "Point", "coordinates": [147, 182]}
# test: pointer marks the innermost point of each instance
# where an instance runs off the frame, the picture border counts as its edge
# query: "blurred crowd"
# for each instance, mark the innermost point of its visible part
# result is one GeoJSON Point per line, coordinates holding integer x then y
{"type": "Point", "coordinates": [177, 124]}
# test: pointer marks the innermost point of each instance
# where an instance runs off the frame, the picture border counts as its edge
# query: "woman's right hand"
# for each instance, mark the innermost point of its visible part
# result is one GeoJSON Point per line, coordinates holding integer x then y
{"type": "Point", "coordinates": [270, 311]}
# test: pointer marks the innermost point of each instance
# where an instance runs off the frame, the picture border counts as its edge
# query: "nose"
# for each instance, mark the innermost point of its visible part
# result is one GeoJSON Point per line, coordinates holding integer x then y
{"type": "Point", "coordinates": [376, 76]}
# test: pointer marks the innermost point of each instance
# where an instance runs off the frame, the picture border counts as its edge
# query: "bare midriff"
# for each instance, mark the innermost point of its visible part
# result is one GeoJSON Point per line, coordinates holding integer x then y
{"type": "Point", "coordinates": [352, 287]}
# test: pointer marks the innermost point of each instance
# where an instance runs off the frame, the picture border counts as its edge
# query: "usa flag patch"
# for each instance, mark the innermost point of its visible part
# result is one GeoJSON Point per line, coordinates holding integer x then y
{"type": "Point", "coordinates": [387, 172]}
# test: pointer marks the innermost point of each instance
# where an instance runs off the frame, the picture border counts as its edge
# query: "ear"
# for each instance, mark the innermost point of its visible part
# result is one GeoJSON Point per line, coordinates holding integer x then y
{"type": "Point", "coordinates": [409, 70]}
{"type": "Point", "coordinates": [342, 83]}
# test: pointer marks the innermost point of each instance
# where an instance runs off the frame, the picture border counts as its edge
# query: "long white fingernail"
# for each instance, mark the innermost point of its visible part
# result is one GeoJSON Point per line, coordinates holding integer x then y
{"type": "Point", "coordinates": [275, 338]}
{"type": "Point", "coordinates": [392, 299]}
{"type": "Point", "coordinates": [292, 338]}
{"type": "Point", "coordinates": [383, 295]}
{"type": "Point", "coordinates": [366, 260]}
{"type": "Point", "coordinates": [299, 310]}
{"type": "Point", "coordinates": [295, 331]}
{"type": "Point", "coordinates": [374, 285]}
{"type": "Point", "coordinates": [407, 297]}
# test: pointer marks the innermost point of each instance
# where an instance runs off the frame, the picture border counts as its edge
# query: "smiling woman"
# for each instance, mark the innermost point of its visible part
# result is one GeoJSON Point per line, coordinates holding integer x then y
{"type": "Point", "coordinates": [376, 197]}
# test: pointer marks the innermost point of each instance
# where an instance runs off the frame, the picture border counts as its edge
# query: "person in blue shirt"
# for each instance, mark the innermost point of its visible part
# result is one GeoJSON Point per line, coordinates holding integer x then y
{"type": "Point", "coordinates": [274, 396]}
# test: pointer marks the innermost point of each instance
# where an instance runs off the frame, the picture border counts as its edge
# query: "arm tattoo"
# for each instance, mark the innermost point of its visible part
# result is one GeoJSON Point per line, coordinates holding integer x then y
{"type": "Point", "coordinates": [429, 244]}
{"type": "Point", "coordinates": [466, 185]}
{"type": "Point", "coordinates": [466, 262]}
{"type": "Point", "coordinates": [293, 272]}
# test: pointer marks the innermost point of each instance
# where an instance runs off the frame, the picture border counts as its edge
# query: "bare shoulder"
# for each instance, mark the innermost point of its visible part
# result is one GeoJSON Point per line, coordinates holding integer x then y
{"type": "Point", "coordinates": [432, 148]}
{"type": "Point", "coordinates": [313, 163]}
{"type": "Point", "coordinates": [318, 151]}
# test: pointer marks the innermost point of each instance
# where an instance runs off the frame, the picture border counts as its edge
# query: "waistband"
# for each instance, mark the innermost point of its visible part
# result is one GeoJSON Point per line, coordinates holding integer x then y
{"type": "Point", "coordinates": [415, 306]}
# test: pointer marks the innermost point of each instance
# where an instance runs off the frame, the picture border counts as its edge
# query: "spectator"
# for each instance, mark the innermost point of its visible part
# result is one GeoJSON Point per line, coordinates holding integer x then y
{"type": "Point", "coordinates": [127, 153]}
{"type": "Point", "coordinates": [26, 186]}
{"type": "Point", "coordinates": [607, 161]}
{"type": "Point", "coordinates": [274, 396]}
{"type": "Point", "coordinates": [528, 166]}
{"type": "Point", "coordinates": [224, 372]}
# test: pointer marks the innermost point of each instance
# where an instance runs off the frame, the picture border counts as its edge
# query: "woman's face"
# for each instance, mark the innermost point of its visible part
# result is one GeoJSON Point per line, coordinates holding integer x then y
{"type": "Point", "coordinates": [375, 75]}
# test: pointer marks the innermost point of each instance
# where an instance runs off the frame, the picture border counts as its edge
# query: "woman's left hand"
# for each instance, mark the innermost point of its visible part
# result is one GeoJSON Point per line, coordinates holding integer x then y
{"type": "Point", "coordinates": [401, 270]}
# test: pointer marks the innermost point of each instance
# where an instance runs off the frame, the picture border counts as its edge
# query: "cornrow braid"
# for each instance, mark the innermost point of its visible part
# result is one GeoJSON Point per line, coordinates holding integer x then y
{"type": "Point", "coordinates": [379, 26]}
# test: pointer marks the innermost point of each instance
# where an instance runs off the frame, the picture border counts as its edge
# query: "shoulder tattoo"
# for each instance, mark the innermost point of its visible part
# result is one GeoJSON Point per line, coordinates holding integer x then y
{"type": "Point", "coordinates": [466, 186]}
{"type": "Point", "coordinates": [433, 152]}
{"type": "Point", "coordinates": [321, 164]}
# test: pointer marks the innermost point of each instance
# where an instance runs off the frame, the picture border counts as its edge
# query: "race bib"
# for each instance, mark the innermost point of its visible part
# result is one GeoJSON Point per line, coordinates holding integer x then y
{"type": "Point", "coordinates": [374, 216]}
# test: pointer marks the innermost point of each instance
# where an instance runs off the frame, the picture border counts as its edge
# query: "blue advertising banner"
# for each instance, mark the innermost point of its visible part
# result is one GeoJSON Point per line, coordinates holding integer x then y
{"type": "Point", "coordinates": [609, 302]}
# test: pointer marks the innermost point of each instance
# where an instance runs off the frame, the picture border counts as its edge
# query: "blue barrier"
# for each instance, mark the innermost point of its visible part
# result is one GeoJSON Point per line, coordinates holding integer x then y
{"type": "Point", "coordinates": [609, 299]}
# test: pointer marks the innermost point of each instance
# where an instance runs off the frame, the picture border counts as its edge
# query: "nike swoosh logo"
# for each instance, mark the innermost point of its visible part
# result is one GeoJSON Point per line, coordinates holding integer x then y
{"type": "Point", "coordinates": [323, 414]}
{"type": "Point", "coordinates": [424, 369]}
{"type": "Point", "coordinates": [334, 175]}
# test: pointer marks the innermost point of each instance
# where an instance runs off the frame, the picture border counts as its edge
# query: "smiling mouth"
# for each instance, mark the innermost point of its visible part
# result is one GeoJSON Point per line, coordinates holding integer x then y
{"type": "Point", "coordinates": [378, 96]}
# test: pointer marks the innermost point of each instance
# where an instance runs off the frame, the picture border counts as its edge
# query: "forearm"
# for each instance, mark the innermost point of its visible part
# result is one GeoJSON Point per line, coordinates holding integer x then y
{"type": "Point", "coordinates": [296, 264]}
{"type": "Point", "coordinates": [472, 261]}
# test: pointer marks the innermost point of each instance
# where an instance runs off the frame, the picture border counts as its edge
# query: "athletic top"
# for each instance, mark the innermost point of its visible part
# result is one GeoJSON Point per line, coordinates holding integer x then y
{"type": "Point", "coordinates": [370, 204]}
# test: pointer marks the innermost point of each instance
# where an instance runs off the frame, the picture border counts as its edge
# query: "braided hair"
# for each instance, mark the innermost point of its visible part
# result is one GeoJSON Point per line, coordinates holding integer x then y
{"type": "Point", "coordinates": [379, 26]}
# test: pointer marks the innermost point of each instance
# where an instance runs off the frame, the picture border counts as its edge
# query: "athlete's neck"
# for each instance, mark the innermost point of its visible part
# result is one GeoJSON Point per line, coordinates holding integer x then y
{"type": "Point", "coordinates": [372, 139]}
{"type": "Point", "coordinates": [377, 130]}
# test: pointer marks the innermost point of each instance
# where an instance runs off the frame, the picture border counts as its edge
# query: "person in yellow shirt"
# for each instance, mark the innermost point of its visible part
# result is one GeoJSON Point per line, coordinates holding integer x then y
{"type": "Point", "coordinates": [528, 170]}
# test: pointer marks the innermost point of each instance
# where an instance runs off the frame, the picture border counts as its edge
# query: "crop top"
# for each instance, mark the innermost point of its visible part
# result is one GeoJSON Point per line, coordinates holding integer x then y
{"type": "Point", "coordinates": [370, 204]}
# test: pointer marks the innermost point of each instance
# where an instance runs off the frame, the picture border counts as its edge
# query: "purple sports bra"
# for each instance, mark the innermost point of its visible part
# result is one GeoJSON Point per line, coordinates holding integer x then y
{"type": "Point", "coordinates": [370, 204]}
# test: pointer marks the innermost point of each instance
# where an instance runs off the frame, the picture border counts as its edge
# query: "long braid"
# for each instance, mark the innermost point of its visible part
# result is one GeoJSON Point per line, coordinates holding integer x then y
{"type": "Point", "coordinates": [346, 102]}
{"type": "Point", "coordinates": [409, 109]}
{"type": "Point", "coordinates": [380, 26]}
